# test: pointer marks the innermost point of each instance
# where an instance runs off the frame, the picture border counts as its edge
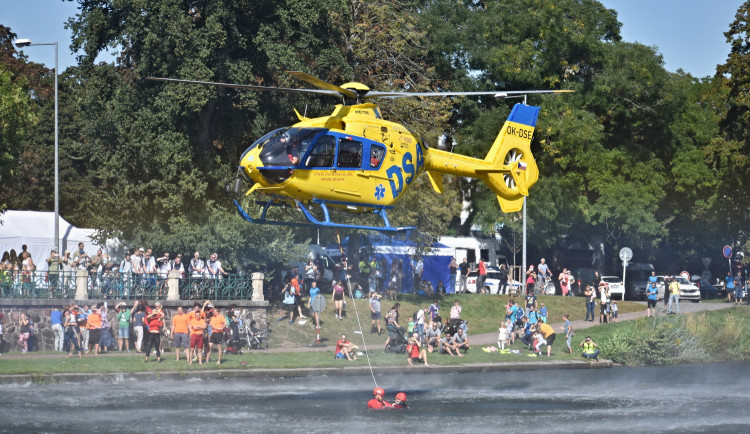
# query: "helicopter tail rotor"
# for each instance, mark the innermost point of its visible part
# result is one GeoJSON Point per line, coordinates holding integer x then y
{"type": "Point", "coordinates": [509, 169]}
{"type": "Point", "coordinates": [511, 153]}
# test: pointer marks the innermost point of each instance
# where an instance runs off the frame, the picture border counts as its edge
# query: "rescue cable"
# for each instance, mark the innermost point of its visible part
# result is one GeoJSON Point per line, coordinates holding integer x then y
{"type": "Point", "coordinates": [356, 312]}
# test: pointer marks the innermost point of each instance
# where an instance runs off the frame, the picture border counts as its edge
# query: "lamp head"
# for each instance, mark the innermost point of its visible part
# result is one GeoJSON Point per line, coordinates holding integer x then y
{"type": "Point", "coordinates": [22, 42]}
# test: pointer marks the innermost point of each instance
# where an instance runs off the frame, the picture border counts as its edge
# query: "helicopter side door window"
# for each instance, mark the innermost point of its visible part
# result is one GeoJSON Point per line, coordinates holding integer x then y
{"type": "Point", "coordinates": [350, 153]}
{"type": "Point", "coordinates": [376, 156]}
{"type": "Point", "coordinates": [323, 152]}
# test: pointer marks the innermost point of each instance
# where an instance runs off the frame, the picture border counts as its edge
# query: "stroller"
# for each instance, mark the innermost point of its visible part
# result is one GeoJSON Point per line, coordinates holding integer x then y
{"type": "Point", "coordinates": [454, 324]}
{"type": "Point", "coordinates": [256, 339]}
{"type": "Point", "coordinates": [397, 339]}
{"type": "Point", "coordinates": [234, 344]}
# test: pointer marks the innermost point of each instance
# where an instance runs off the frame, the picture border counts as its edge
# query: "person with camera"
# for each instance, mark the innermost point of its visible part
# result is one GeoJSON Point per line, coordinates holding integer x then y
{"type": "Point", "coordinates": [415, 351]}
{"type": "Point", "coordinates": [590, 349]}
{"type": "Point", "coordinates": [288, 302]}
{"type": "Point", "coordinates": [155, 322]}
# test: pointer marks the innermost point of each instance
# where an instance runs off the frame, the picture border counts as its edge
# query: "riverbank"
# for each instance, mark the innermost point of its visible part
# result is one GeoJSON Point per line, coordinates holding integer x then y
{"type": "Point", "coordinates": [345, 371]}
{"type": "Point", "coordinates": [711, 321]}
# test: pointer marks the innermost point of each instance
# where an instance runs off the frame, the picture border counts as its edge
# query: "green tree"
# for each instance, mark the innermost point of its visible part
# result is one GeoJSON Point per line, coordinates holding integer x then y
{"type": "Point", "coordinates": [730, 151]}
{"type": "Point", "coordinates": [16, 121]}
{"type": "Point", "coordinates": [154, 158]}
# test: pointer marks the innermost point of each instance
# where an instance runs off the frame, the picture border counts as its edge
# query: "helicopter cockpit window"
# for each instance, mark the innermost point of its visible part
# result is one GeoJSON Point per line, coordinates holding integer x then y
{"type": "Point", "coordinates": [350, 153]}
{"type": "Point", "coordinates": [323, 152]}
{"type": "Point", "coordinates": [281, 153]}
{"type": "Point", "coordinates": [376, 155]}
{"type": "Point", "coordinates": [287, 148]}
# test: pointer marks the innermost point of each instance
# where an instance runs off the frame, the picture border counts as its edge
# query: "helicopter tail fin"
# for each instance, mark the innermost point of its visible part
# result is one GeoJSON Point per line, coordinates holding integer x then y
{"type": "Point", "coordinates": [509, 169]}
{"type": "Point", "coordinates": [513, 169]}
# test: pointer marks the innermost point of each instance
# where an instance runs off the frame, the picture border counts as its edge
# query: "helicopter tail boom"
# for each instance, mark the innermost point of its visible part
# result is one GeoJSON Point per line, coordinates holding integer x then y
{"type": "Point", "coordinates": [509, 169]}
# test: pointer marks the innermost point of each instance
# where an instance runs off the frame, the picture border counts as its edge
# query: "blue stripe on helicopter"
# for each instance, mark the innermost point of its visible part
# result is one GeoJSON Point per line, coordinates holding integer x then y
{"type": "Point", "coordinates": [524, 114]}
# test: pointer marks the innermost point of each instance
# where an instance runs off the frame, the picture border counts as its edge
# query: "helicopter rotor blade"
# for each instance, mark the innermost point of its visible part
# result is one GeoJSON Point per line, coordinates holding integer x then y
{"type": "Point", "coordinates": [498, 94]}
{"type": "Point", "coordinates": [322, 84]}
{"type": "Point", "coordinates": [249, 86]}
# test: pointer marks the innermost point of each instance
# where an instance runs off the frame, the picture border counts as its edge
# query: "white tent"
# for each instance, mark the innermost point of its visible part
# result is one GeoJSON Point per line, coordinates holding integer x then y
{"type": "Point", "coordinates": [36, 229]}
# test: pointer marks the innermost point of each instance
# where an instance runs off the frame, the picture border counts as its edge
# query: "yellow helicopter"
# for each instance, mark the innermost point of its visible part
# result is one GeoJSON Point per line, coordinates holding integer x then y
{"type": "Point", "coordinates": [355, 160]}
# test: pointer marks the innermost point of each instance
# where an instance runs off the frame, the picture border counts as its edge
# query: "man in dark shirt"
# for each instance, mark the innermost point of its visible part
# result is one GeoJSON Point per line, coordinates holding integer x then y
{"type": "Point", "coordinates": [464, 270]}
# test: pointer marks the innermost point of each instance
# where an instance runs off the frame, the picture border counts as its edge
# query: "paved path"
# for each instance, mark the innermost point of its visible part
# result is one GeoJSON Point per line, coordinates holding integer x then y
{"type": "Point", "coordinates": [685, 307]}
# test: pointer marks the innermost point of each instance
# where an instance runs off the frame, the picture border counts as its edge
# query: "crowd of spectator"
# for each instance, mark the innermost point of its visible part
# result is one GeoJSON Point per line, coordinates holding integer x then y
{"type": "Point", "coordinates": [112, 279]}
{"type": "Point", "coordinates": [90, 329]}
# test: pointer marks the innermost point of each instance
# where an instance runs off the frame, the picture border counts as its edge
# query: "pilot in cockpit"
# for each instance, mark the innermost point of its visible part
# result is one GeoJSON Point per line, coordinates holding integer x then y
{"type": "Point", "coordinates": [292, 151]}
{"type": "Point", "coordinates": [376, 156]}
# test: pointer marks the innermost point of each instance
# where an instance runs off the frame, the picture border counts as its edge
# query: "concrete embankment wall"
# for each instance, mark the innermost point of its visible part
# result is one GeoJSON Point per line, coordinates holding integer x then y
{"type": "Point", "coordinates": [224, 374]}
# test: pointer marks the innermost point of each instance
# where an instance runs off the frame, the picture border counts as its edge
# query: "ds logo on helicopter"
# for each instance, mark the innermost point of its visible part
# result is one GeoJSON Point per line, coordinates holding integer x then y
{"type": "Point", "coordinates": [408, 167]}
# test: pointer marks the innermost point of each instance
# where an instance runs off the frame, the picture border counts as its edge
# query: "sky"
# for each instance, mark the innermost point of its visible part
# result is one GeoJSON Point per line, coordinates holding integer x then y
{"type": "Point", "coordinates": [688, 33]}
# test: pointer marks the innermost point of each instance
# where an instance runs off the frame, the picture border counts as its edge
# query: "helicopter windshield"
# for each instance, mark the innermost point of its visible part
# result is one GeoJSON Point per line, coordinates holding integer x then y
{"type": "Point", "coordinates": [284, 149]}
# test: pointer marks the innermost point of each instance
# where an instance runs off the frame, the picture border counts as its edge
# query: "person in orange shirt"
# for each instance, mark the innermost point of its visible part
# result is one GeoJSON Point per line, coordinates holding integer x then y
{"type": "Point", "coordinates": [94, 324]}
{"type": "Point", "coordinates": [218, 323]}
{"type": "Point", "coordinates": [180, 333]}
{"type": "Point", "coordinates": [196, 325]}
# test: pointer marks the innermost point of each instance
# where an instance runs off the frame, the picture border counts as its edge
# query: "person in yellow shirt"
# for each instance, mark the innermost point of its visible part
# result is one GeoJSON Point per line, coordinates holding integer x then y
{"type": "Point", "coordinates": [218, 323]}
{"type": "Point", "coordinates": [549, 335]}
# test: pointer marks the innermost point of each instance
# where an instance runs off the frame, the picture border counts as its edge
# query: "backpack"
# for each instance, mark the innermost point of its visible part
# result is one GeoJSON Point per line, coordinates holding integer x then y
{"type": "Point", "coordinates": [519, 313]}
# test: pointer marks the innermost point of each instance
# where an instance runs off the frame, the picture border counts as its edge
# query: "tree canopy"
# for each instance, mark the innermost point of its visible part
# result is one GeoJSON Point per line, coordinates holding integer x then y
{"type": "Point", "coordinates": [637, 156]}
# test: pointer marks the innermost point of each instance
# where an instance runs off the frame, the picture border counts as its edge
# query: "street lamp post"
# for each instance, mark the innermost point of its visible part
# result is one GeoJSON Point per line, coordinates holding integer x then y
{"type": "Point", "coordinates": [27, 43]}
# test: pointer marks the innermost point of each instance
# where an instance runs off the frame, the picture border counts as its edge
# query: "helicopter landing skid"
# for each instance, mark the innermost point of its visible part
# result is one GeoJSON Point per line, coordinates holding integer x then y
{"type": "Point", "coordinates": [314, 222]}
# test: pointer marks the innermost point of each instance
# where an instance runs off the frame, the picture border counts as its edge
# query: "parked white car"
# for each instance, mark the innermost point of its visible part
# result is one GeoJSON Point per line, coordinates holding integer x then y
{"type": "Point", "coordinates": [614, 285]}
{"type": "Point", "coordinates": [491, 283]}
{"type": "Point", "coordinates": [688, 290]}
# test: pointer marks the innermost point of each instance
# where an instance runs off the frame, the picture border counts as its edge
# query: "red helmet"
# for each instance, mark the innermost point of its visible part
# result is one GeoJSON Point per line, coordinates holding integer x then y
{"type": "Point", "coordinates": [401, 396]}
{"type": "Point", "coordinates": [378, 391]}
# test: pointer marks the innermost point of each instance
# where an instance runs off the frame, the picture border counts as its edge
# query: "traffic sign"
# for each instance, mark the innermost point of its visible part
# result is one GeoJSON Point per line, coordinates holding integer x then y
{"type": "Point", "coordinates": [626, 254]}
{"type": "Point", "coordinates": [685, 274]}
{"type": "Point", "coordinates": [624, 263]}
{"type": "Point", "coordinates": [727, 251]}
{"type": "Point", "coordinates": [318, 303]}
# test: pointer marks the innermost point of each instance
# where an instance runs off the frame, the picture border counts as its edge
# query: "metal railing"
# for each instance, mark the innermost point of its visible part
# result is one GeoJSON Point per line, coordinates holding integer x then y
{"type": "Point", "coordinates": [113, 285]}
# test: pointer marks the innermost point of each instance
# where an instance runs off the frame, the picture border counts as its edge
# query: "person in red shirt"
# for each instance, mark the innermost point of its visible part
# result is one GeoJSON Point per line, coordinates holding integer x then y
{"type": "Point", "coordinates": [482, 277]}
{"type": "Point", "coordinates": [378, 403]}
{"type": "Point", "coordinates": [345, 349]}
{"type": "Point", "coordinates": [155, 321]}
{"type": "Point", "coordinates": [196, 325]}
{"type": "Point", "coordinates": [415, 351]}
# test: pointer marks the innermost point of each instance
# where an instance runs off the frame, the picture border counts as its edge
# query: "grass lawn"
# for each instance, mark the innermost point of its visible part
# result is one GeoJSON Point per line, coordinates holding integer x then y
{"type": "Point", "coordinates": [259, 359]}
{"type": "Point", "coordinates": [483, 312]}
{"type": "Point", "coordinates": [707, 323]}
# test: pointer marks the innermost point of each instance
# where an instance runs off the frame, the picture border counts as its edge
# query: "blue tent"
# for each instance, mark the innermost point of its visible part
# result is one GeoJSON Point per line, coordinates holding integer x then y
{"type": "Point", "coordinates": [435, 261]}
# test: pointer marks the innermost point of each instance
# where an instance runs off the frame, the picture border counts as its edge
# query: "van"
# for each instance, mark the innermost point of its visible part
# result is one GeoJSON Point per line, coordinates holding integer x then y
{"type": "Point", "coordinates": [636, 280]}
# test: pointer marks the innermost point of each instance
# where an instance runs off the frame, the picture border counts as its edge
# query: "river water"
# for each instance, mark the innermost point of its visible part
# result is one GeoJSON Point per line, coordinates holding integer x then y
{"type": "Point", "coordinates": [709, 398]}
